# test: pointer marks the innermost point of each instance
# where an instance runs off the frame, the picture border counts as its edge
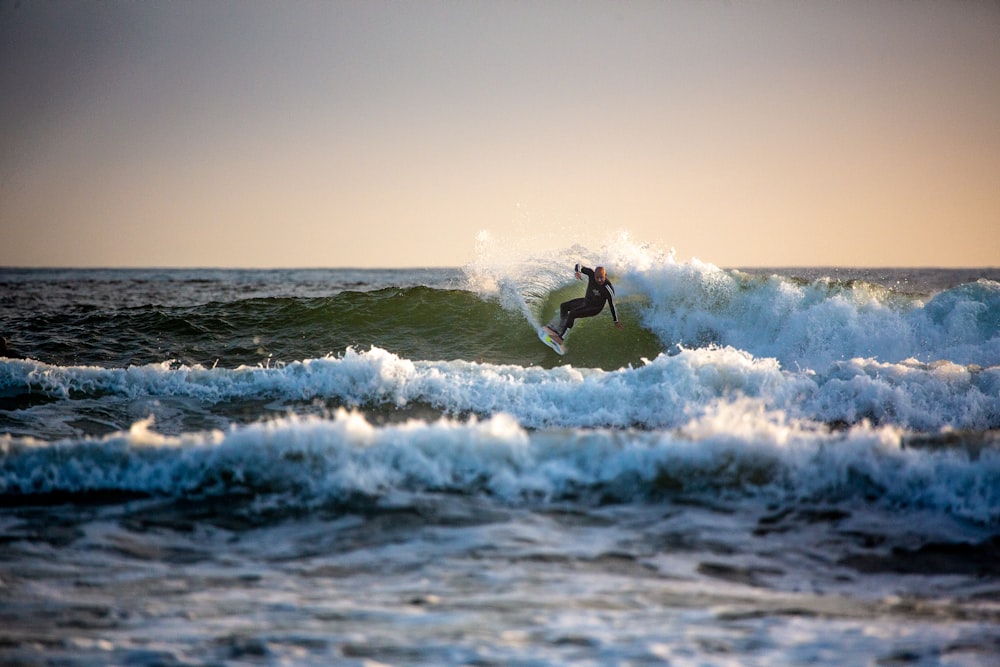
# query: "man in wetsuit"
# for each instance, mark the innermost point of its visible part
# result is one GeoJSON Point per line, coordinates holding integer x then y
{"type": "Point", "coordinates": [599, 292]}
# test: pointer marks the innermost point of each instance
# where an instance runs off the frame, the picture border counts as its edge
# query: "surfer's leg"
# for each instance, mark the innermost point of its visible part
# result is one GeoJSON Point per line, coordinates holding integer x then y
{"type": "Point", "coordinates": [566, 306]}
{"type": "Point", "coordinates": [565, 319]}
{"type": "Point", "coordinates": [564, 309]}
{"type": "Point", "coordinates": [576, 313]}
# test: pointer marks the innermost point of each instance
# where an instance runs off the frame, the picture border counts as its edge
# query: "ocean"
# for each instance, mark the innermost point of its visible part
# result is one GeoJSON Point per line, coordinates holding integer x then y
{"type": "Point", "coordinates": [387, 467]}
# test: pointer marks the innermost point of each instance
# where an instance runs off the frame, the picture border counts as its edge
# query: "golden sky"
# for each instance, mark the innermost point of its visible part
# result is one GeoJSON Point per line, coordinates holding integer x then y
{"type": "Point", "coordinates": [259, 134]}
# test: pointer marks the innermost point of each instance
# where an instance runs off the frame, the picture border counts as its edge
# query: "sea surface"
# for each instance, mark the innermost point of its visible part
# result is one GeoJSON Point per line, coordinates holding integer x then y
{"type": "Point", "coordinates": [386, 467]}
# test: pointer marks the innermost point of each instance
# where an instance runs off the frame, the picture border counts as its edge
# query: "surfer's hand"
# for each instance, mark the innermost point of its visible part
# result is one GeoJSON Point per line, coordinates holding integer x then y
{"type": "Point", "coordinates": [579, 276]}
{"type": "Point", "coordinates": [619, 325]}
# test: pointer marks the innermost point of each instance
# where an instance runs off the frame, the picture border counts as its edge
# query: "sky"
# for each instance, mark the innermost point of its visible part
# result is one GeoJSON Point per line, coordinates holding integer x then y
{"type": "Point", "coordinates": [390, 134]}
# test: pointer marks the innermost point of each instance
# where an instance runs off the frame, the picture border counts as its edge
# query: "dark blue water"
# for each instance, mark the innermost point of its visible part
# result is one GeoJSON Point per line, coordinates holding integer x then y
{"type": "Point", "coordinates": [324, 466]}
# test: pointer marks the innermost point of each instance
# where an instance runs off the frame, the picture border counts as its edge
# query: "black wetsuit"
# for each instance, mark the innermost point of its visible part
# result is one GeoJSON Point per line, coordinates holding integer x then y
{"type": "Point", "coordinates": [586, 306]}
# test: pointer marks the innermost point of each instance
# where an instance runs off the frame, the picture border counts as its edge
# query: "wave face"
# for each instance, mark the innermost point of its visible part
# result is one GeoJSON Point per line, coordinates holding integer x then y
{"type": "Point", "coordinates": [489, 315]}
{"type": "Point", "coordinates": [414, 322]}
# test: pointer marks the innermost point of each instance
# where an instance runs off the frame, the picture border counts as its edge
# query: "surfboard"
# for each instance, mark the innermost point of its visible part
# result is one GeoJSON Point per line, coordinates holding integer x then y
{"type": "Point", "coordinates": [549, 337]}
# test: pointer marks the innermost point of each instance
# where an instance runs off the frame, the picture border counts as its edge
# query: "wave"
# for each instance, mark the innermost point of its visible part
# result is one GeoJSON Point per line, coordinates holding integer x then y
{"type": "Point", "coordinates": [311, 461]}
{"type": "Point", "coordinates": [804, 322]}
{"type": "Point", "coordinates": [492, 315]}
{"type": "Point", "coordinates": [723, 382]}
{"type": "Point", "coordinates": [815, 323]}
{"type": "Point", "coordinates": [660, 393]}
{"type": "Point", "coordinates": [415, 322]}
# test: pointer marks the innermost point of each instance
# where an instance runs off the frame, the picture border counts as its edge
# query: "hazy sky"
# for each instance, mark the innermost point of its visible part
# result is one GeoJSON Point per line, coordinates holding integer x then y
{"type": "Point", "coordinates": [390, 133]}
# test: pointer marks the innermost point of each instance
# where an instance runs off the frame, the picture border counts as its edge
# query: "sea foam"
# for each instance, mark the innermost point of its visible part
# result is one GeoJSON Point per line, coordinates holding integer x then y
{"type": "Point", "coordinates": [662, 393]}
{"type": "Point", "coordinates": [814, 324]}
{"type": "Point", "coordinates": [742, 449]}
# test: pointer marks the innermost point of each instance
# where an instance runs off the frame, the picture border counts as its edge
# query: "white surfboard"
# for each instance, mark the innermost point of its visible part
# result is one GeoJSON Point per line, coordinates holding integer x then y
{"type": "Point", "coordinates": [549, 337]}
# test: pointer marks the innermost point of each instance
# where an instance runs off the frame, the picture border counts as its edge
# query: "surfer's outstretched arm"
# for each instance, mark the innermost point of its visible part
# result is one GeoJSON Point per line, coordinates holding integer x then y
{"type": "Point", "coordinates": [614, 313]}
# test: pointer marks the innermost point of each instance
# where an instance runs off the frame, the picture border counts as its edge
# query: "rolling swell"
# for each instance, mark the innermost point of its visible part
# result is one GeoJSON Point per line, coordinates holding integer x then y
{"type": "Point", "coordinates": [308, 462]}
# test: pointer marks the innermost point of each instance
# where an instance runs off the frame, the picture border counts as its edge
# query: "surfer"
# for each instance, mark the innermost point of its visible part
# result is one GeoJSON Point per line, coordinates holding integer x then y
{"type": "Point", "coordinates": [599, 292]}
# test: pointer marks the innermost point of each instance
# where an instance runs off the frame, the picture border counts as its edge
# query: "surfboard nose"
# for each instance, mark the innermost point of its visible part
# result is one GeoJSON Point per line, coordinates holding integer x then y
{"type": "Point", "coordinates": [548, 337]}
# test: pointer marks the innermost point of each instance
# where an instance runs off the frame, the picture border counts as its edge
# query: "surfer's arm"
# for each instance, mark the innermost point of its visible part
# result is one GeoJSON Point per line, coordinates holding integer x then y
{"type": "Point", "coordinates": [611, 305]}
{"type": "Point", "coordinates": [580, 268]}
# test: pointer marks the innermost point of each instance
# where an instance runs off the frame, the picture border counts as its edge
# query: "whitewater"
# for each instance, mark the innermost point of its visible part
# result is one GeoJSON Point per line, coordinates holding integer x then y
{"type": "Point", "coordinates": [342, 466]}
